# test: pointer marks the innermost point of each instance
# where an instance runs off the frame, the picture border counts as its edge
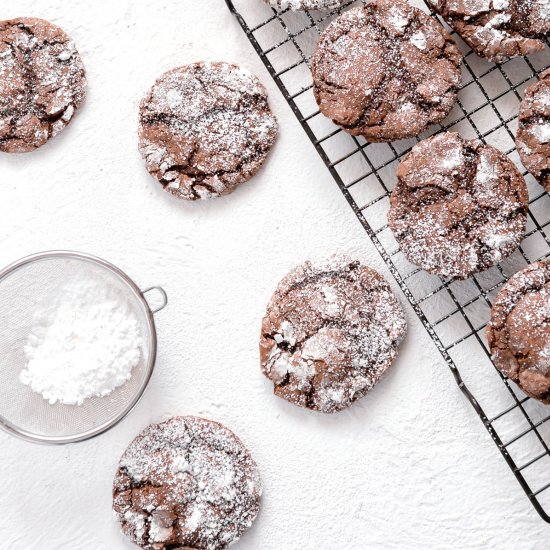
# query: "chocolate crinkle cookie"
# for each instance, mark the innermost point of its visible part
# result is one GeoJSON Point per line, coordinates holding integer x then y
{"type": "Point", "coordinates": [498, 29]}
{"type": "Point", "coordinates": [42, 83]}
{"type": "Point", "coordinates": [459, 206]}
{"type": "Point", "coordinates": [205, 128]}
{"type": "Point", "coordinates": [533, 137]}
{"type": "Point", "coordinates": [386, 71]}
{"type": "Point", "coordinates": [305, 5]}
{"type": "Point", "coordinates": [187, 483]}
{"type": "Point", "coordinates": [519, 331]}
{"type": "Point", "coordinates": [329, 334]}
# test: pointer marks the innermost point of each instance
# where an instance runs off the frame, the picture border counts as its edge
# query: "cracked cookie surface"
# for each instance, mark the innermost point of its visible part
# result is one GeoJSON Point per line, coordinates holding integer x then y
{"type": "Point", "coordinates": [459, 206]}
{"type": "Point", "coordinates": [519, 331]}
{"type": "Point", "coordinates": [187, 483]}
{"type": "Point", "coordinates": [205, 128]}
{"type": "Point", "coordinates": [498, 29]}
{"type": "Point", "coordinates": [533, 137]}
{"type": "Point", "coordinates": [386, 71]}
{"type": "Point", "coordinates": [305, 5]}
{"type": "Point", "coordinates": [42, 83]}
{"type": "Point", "coordinates": [330, 332]}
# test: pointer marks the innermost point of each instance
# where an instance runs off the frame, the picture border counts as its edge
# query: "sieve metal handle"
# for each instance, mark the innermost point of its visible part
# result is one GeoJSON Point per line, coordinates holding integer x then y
{"type": "Point", "coordinates": [163, 295]}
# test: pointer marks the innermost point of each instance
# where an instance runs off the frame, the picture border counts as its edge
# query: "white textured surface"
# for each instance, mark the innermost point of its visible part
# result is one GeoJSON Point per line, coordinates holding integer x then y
{"type": "Point", "coordinates": [409, 467]}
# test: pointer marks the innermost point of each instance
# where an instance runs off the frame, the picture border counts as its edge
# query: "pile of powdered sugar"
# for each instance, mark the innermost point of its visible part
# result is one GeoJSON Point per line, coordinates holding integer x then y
{"type": "Point", "coordinates": [84, 343]}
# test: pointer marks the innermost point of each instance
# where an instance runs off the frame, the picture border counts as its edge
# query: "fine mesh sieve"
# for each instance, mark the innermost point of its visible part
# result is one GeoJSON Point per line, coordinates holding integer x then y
{"type": "Point", "coordinates": [27, 285]}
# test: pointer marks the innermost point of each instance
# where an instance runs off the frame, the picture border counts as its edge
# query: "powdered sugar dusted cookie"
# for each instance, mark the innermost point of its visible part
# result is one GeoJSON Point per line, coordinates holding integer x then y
{"type": "Point", "coordinates": [330, 332]}
{"type": "Point", "coordinates": [205, 128]}
{"type": "Point", "coordinates": [386, 71]}
{"type": "Point", "coordinates": [533, 137]}
{"type": "Point", "coordinates": [306, 5]}
{"type": "Point", "coordinates": [459, 206]}
{"type": "Point", "coordinates": [42, 83]}
{"type": "Point", "coordinates": [498, 29]}
{"type": "Point", "coordinates": [519, 332]}
{"type": "Point", "coordinates": [186, 483]}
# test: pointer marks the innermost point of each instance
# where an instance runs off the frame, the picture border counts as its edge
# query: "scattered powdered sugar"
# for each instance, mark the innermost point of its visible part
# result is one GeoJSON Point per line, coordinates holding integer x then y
{"type": "Point", "coordinates": [453, 158]}
{"type": "Point", "coordinates": [498, 20]}
{"type": "Point", "coordinates": [487, 170]}
{"type": "Point", "coordinates": [187, 482]}
{"type": "Point", "coordinates": [544, 9]}
{"type": "Point", "coordinates": [501, 4]}
{"type": "Point", "coordinates": [418, 39]}
{"type": "Point", "coordinates": [406, 107]}
{"type": "Point", "coordinates": [474, 7]}
{"type": "Point", "coordinates": [138, 520]}
{"type": "Point", "coordinates": [84, 343]}
{"type": "Point", "coordinates": [542, 97]}
{"type": "Point", "coordinates": [398, 18]}
{"type": "Point", "coordinates": [157, 532]}
{"type": "Point", "coordinates": [497, 242]}
{"type": "Point", "coordinates": [333, 303]}
{"type": "Point", "coordinates": [541, 132]}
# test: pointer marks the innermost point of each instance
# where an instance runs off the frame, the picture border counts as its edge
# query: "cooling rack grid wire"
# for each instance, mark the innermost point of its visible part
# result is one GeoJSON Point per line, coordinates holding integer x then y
{"type": "Point", "coordinates": [453, 312]}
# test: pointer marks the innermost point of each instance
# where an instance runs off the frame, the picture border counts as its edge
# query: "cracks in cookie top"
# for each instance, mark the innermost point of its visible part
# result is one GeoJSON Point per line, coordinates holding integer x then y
{"type": "Point", "coordinates": [386, 71]}
{"type": "Point", "coordinates": [187, 482]}
{"type": "Point", "coordinates": [42, 83]}
{"type": "Point", "coordinates": [498, 29]}
{"type": "Point", "coordinates": [459, 206]}
{"type": "Point", "coordinates": [205, 128]}
{"type": "Point", "coordinates": [330, 332]}
{"type": "Point", "coordinates": [533, 137]}
{"type": "Point", "coordinates": [519, 331]}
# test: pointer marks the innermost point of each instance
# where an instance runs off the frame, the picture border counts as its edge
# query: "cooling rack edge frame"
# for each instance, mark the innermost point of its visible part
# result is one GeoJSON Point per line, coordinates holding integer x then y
{"type": "Point", "coordinates": [394, 271]}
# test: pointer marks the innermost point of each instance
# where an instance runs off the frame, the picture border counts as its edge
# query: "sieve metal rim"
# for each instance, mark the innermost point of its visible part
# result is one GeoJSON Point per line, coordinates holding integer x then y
{"type": "Point", "coordinates": [25, 435]}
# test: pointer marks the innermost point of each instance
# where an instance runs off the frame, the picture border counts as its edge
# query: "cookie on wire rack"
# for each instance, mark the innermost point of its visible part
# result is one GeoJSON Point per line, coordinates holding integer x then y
{"type": "Point", "coordinates": [386, 71]}
{"type": "Point", "coordinates": [498, 29]}
{"type": "Point", "coordinates": [331, 330]}
{"type": "Point", "coordinates": [533, 137]}
{"type": "Point", "coordinates": [205, 128]}
{"type": "Point", "coordinates": [519, 331]}
{"type": "Point", "coordinates": [186, 483]}
{"type": "Point", "coordinates": [459, 206]}
{"type": "Point", "coordinates": [42, 83]}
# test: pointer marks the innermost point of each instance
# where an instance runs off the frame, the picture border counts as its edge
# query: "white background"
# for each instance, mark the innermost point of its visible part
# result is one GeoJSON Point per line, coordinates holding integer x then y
{"type": "Point", "coordinates": [408, 467]}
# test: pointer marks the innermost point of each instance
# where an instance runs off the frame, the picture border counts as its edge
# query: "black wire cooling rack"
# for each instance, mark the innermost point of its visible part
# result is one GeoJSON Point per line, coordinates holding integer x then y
{"type": "Point", "coordinates": [454, 313]}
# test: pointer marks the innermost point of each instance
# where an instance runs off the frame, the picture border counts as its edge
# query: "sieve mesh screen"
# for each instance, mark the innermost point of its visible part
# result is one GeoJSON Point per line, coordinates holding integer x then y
{"type": "Point", "coordinates": [34, 285]}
